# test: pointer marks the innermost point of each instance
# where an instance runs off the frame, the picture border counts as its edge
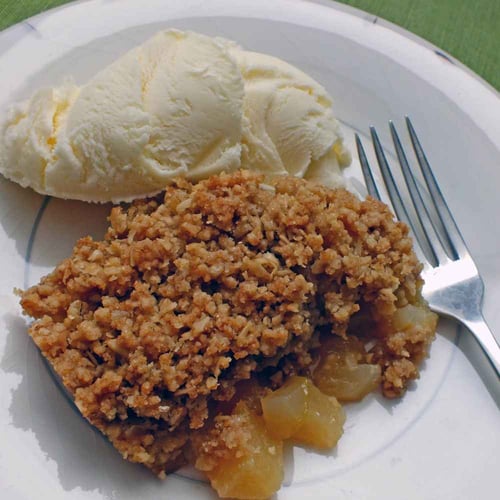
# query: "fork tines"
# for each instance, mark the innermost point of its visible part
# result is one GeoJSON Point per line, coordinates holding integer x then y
{"type": "Point", "coordinates": [433, 226]}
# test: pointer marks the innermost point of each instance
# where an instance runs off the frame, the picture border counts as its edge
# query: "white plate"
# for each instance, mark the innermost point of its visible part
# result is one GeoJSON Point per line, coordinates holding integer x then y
{"type": "Point", "coordinates": [441, 440]}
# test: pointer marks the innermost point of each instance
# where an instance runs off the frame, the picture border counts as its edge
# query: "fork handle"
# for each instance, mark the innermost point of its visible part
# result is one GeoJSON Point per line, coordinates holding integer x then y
{"type": "Point", "coordinates": [486, 340]}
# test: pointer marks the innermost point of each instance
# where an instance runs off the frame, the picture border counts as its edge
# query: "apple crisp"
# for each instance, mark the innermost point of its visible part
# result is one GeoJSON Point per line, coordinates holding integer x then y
{"type": "Point", "coordinates": [158, 329]}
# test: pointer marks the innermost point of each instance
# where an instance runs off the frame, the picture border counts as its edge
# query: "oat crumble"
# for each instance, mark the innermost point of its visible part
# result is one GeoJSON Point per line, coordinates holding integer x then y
{"type": "Point", "coordinates": [210, 284]}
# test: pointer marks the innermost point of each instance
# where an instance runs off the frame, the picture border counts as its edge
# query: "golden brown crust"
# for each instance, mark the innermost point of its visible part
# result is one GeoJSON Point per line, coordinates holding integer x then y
{"type": "Point", "coordinates": [190, 292]}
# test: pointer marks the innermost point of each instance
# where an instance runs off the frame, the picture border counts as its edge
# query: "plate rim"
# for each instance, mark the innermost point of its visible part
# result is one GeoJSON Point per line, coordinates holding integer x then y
{"type": "Point", "coordinates": [400, 30]}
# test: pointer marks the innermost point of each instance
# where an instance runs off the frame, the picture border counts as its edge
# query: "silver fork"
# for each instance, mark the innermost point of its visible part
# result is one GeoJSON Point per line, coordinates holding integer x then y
{"type": "Point", "coordinates": [453, 286]}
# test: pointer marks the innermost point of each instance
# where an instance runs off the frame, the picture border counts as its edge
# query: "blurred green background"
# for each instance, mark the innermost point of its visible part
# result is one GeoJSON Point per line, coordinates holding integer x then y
{"type": "Point", "coordinates": [467, 29]}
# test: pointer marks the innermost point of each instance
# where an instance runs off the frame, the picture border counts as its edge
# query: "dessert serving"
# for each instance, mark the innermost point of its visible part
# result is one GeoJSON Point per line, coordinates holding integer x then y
{"type": "Point", "coordinates": [240, 294]}
{"type": "Point", "coordinates": [191, 333]}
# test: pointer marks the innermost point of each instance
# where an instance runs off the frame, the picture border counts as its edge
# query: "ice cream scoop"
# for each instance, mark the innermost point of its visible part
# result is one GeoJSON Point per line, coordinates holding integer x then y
{"type": "Point", "coordinates": [288, 122]}
{"type": "Point", "coordinates": [181, 104]}
{"type": "Point", "coordinates": [169, 107]}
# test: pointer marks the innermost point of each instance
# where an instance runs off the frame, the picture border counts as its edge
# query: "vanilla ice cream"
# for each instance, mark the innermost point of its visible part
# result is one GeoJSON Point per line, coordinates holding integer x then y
{"type": "Point", "coordinates": [288, 122]}
{"type": "Point", "coordinates": [181, 104]}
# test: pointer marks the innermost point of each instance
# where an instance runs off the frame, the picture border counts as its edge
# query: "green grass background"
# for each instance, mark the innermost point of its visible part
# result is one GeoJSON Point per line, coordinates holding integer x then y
{"type": "Point", "coordinates": [467, 29]}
